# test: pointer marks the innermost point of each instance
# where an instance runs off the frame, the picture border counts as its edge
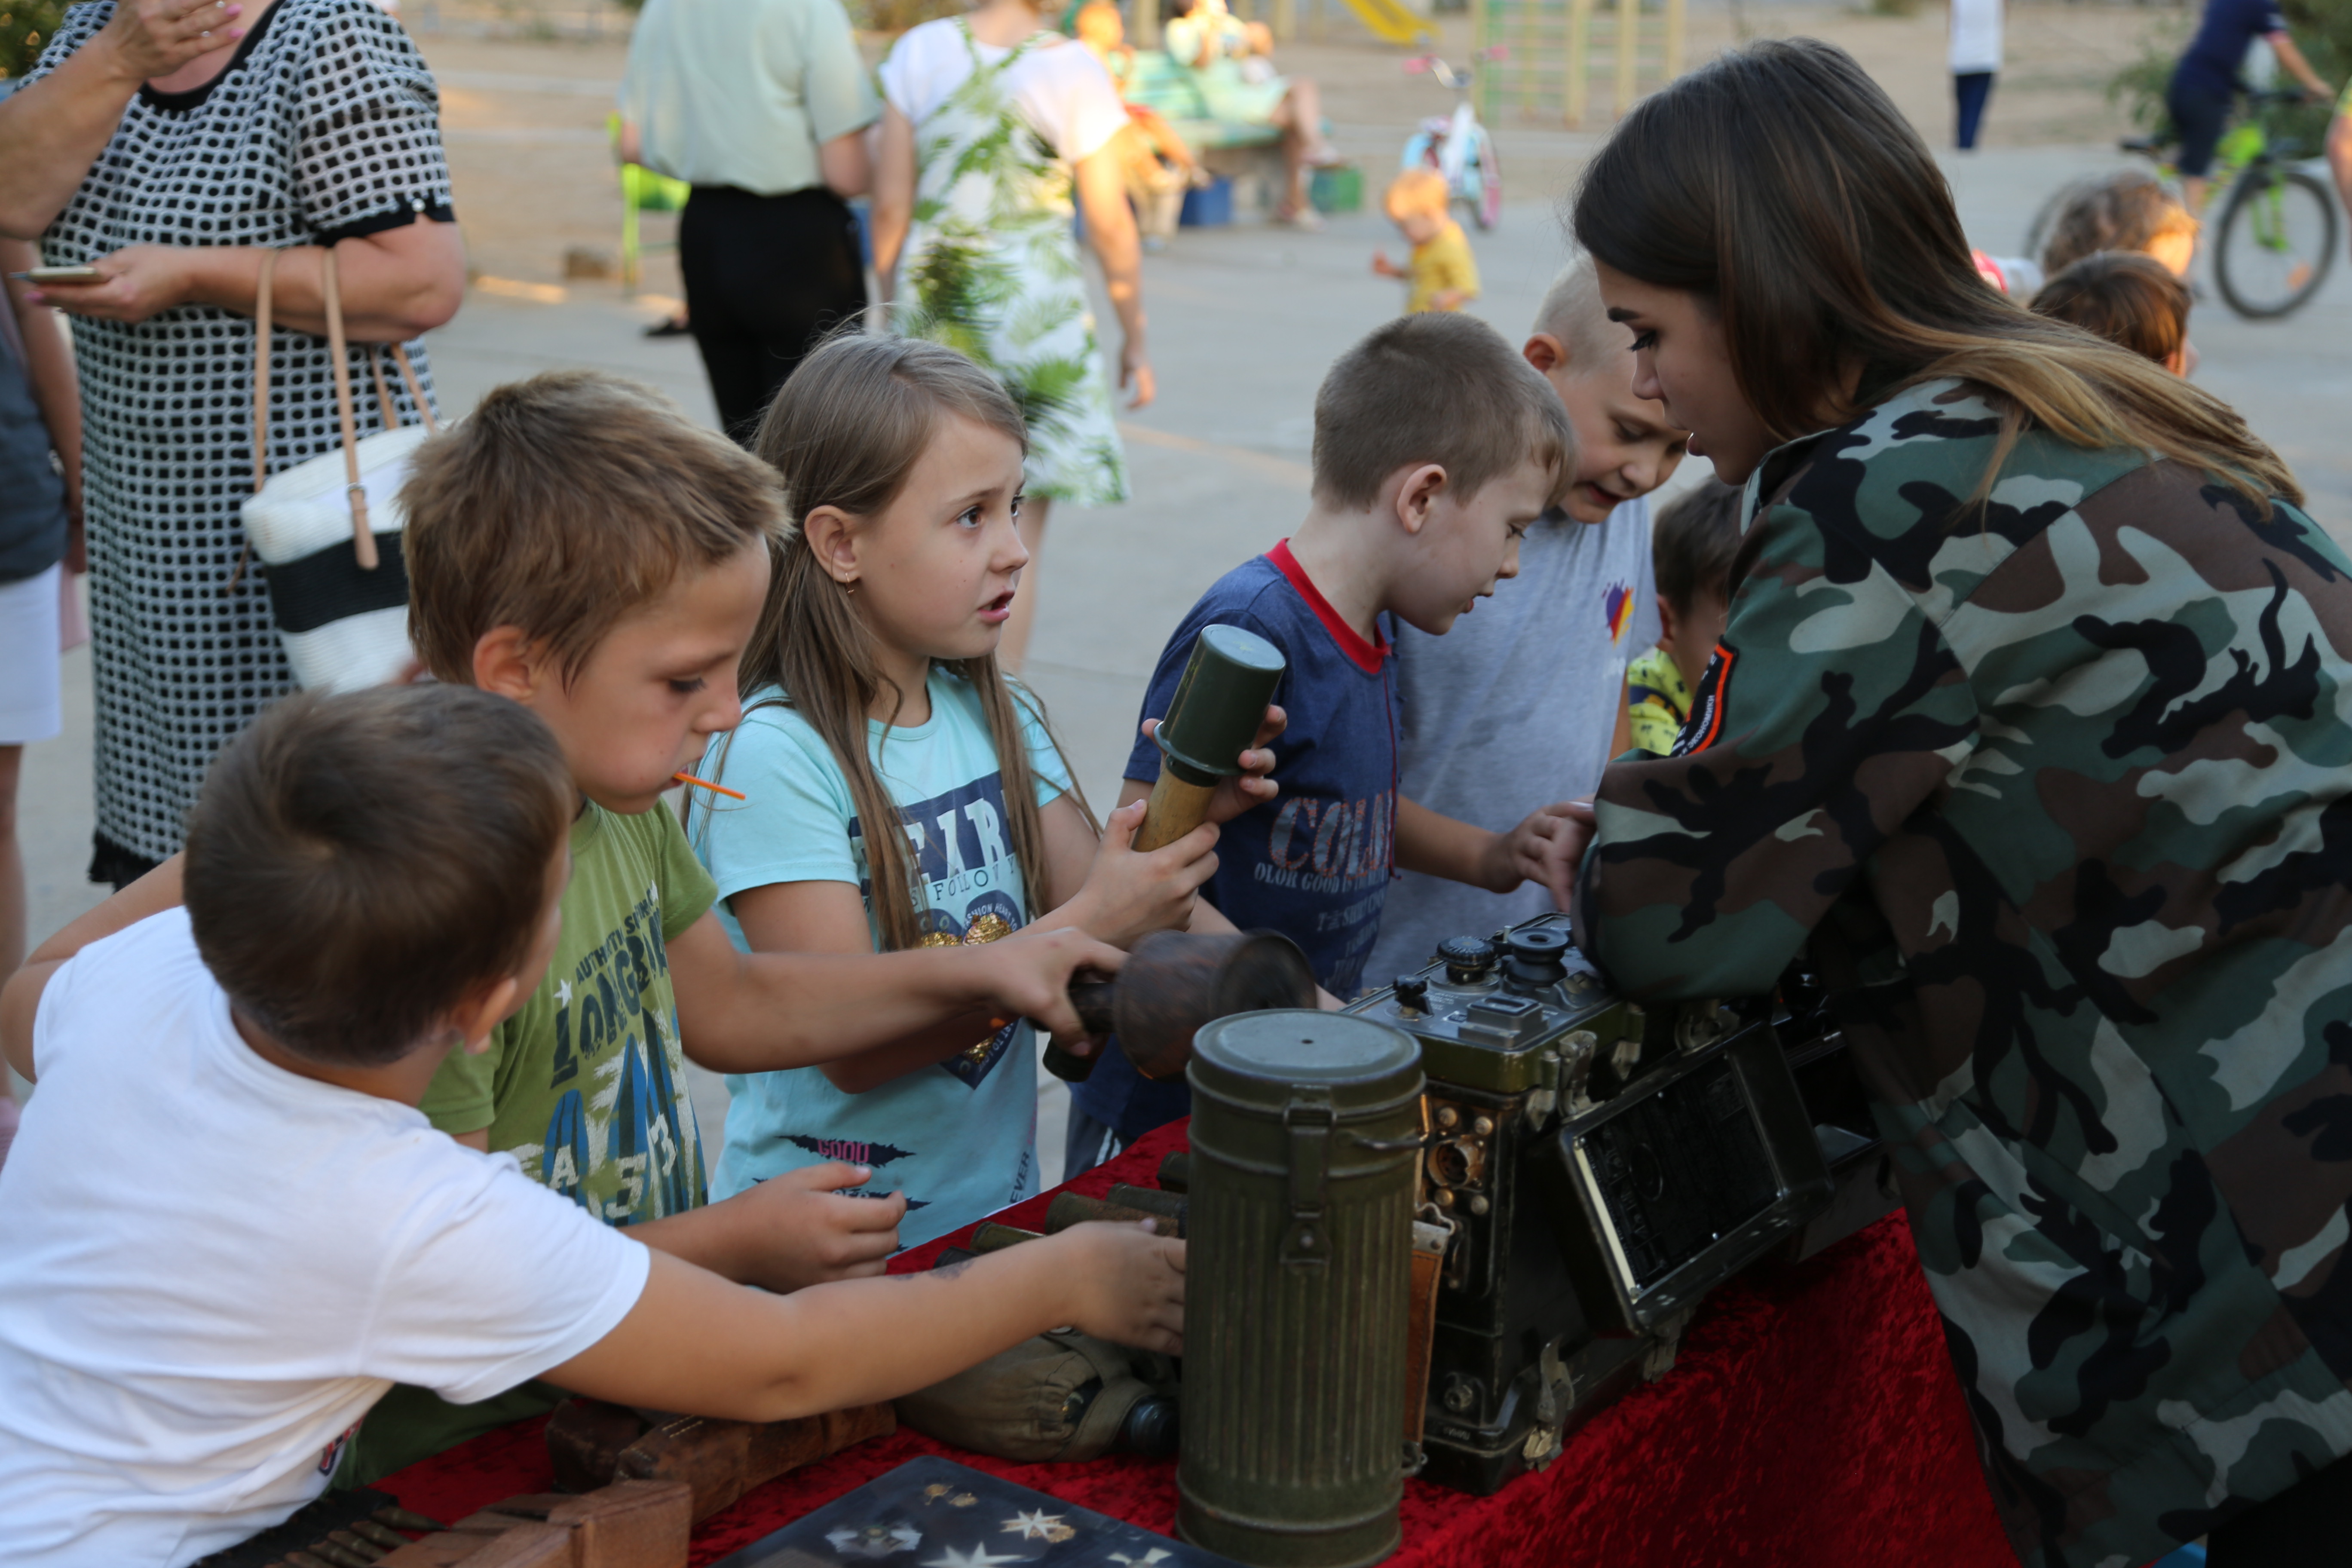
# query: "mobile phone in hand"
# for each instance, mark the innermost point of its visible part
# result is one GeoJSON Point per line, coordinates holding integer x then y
{"type": "Point", "coordinates": [60, 275]}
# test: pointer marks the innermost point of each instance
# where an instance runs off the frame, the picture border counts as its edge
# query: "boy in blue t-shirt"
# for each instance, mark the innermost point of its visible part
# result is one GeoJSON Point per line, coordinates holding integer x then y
{"type": "Point", "coordinates": [1436, 446]}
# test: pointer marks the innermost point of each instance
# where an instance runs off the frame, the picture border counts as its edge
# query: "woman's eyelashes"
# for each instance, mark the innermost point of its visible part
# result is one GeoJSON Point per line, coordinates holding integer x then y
{"type": "Point", "coordinates": [687, 687]}
{"type": "Point", "coordinates": [1644, 342]}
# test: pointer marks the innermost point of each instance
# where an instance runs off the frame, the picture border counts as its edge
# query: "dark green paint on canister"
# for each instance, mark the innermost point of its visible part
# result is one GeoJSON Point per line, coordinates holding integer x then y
{"type": "Point", "coordinates": [1228, 679]}
{"type": "Point", "coordinates": [1306, 1129]}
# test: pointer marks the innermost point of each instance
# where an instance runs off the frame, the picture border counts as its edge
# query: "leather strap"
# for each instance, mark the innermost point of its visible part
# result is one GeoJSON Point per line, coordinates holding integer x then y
{"type": "Point", "coordinates": [416, 389]}
{"type": "Point", "coordinates": [338, 354]}
{"type": "Point", "coordinates": [387, 411]}
{"type": "Point", "coordinates": [1429, 1244]}
{"type": "Point", "coordinates": [261, 336]}
{"type": "Point", "coordinates": [362, 536]}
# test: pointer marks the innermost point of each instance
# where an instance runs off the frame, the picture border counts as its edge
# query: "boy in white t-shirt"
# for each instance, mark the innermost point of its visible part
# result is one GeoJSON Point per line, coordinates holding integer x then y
{"type": "Point", "coordinates": [1523, 702]}
{"type": "Point", "coordinates": [230, 1229]}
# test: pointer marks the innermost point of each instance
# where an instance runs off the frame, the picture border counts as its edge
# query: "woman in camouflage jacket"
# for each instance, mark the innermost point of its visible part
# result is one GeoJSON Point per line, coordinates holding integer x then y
{"type": "Point", "coordinates": [2031, 722]}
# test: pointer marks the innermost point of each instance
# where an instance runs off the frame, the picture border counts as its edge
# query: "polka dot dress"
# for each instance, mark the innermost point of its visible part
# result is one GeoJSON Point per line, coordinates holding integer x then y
{"type": "Point", "coordinates": [324, 126]}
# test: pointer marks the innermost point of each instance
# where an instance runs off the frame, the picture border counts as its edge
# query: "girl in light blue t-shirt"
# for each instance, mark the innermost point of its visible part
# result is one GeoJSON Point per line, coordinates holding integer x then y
{"type": "Point", "coordinates": [872, 694]}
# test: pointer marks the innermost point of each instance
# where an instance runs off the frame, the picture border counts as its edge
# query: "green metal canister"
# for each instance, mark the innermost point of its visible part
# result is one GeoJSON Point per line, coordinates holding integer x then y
{"type": "Point", "coordinates": [1306, 1133]}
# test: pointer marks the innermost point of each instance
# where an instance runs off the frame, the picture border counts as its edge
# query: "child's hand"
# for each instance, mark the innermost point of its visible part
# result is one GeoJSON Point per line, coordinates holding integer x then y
{"type": "Point", "coordinates": [800, 1228]}
{"type": "Point", "coordinates": [1253, 788]}
{"type": "Point", "coordinates": [1130, 1290]}
{"type": "Point", "coordinates": [1384, 268]}
{"type": "Point", "coordinates": [1028, 976]}
{"type": "Point", "coordinates": [1128, 895]}
{"type": "Point", "coordinates": [1546, 848]}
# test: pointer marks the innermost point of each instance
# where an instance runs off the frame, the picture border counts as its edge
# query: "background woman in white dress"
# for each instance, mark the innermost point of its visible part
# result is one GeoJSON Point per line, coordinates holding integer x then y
{"type": "Point", "coordinates": [991, 123]}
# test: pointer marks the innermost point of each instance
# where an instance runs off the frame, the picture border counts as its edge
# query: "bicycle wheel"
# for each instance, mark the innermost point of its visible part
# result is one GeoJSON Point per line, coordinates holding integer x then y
{"type": "Point", "coordinates": [1490, 184]}
{"type": "Point", "coordinates": [2278, 241]}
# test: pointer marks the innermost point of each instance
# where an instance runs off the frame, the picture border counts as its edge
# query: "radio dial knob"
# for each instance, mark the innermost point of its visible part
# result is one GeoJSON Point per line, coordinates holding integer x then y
{"type": "Point", "coordinates": [1467, 959]}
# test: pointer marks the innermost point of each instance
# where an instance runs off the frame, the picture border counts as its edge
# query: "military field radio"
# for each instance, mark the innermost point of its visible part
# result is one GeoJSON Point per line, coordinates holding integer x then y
{"type": "Point", "coordinates": [1591, 1169]}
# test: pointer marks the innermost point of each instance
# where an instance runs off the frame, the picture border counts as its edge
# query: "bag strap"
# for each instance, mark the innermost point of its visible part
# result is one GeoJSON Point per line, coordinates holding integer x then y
{"type": "Point", "coordinates": [261, 335]}
{"type": "Point", "coordinates": [416, 389]}
{"type": "Point", "coordinates": [338, 354]}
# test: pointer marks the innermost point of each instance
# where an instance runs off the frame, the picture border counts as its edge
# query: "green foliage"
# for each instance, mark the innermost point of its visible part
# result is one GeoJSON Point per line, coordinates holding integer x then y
{"type": "Point", "coordinates": [25, 29]}
{"type": "Point", "coordinates": [2140, 86]}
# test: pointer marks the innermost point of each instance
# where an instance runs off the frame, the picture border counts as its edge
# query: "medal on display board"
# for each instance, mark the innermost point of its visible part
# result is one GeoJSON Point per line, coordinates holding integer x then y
{"type": "Point", "coordinates": [934, 1513]}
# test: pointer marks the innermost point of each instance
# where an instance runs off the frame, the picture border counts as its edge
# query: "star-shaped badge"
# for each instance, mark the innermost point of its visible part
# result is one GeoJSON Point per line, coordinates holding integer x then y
{"type": "Point", "coordinates": [1039, 1525]}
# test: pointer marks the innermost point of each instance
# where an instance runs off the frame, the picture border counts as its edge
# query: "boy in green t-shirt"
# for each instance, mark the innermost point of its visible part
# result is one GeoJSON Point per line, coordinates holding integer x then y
{"type": "Point", "coordinates": [579, 546]}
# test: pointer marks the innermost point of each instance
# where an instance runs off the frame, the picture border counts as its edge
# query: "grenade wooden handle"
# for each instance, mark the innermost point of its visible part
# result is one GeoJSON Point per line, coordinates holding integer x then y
{"type": "Point", "coordinates": [1175, 809]}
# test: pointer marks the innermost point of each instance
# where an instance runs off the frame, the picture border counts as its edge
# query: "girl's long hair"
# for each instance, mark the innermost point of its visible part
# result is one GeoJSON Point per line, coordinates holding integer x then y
{"type": "Point", "coordinates": [845, 432]}
{"type": "Point", "coordinates": [1779, 185]}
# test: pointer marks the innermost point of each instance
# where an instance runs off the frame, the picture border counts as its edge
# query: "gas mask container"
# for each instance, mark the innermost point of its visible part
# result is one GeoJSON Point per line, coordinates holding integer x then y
{"type": "Point", "coordinates": [1592, 1170]}
{"type": "Point", "coordinates": [1298, 1238]}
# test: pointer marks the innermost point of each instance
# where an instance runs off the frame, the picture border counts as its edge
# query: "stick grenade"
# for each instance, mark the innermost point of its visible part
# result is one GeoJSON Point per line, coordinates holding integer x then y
{"type": "Point", "coordinates": [1227, 683]}
{"type": "Point", "coordinates": [1229, 678]}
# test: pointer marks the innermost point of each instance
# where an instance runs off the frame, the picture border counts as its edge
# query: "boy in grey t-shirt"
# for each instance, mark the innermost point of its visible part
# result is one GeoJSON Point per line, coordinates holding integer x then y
{"type": "Point", "coordinates": [1524, 701]}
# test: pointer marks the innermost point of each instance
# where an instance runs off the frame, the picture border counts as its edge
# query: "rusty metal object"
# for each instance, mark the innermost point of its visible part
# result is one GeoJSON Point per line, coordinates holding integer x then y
{"type": "Point", "coordinates": [1176, 982]}
{"type": "Point", "coordinates": [1074, 1208]}
{"type": "Point", "coordinates": [995, 1238]}
{"type": "Point", "coordinates": [1150, 1200]}
{"type": "Point", "coordinates": [1176, 1172]}
{"type": "Point", "coordinates": [402, 1518]}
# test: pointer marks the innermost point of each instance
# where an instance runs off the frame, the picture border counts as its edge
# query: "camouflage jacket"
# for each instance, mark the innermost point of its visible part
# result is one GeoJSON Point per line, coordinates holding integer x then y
{"type": "Point", "coordinates": [2057, 798]}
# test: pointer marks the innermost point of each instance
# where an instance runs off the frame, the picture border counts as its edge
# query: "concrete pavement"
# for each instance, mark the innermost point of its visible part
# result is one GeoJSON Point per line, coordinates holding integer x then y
{"type": "Point", "coordinates": [1243, 322]}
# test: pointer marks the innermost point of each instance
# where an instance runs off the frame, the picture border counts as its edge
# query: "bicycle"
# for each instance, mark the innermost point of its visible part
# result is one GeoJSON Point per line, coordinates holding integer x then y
{"type": "Point", "coordinates": [1456, 145]}
{"type": "Point", "coordinates": [2274, 243]}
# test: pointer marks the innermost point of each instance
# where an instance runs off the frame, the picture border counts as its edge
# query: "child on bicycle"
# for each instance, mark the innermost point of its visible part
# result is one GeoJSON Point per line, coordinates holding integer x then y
{"type": "Point", "coordinates": [1443, 273]}
{"type": "Point", "coordinates": [2207, 81]}
{"type": "Point", "coordinates": [902, 791]}
{"type": "Point", "coordinates": [2127, 299]}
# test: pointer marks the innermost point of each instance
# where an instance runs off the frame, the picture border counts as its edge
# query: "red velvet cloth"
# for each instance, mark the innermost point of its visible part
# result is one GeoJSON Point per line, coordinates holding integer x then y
{"type": "Point", "coordinates": [1812, 1419]}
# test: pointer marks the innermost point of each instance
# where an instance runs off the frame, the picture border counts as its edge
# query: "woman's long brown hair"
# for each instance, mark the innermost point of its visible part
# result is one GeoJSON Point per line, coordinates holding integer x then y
{"type": "Point", "coordinates": [845, 432]}
{"type": "Point", "coordinates": [1779, 185]}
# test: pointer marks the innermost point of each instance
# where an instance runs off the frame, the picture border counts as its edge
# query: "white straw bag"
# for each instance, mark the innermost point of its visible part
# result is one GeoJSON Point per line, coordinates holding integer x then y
{"type": "Point", "coordinates": [329, 529]}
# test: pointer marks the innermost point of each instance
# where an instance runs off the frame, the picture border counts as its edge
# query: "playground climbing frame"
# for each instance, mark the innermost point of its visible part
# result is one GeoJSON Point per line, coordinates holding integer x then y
{"type": "Point", "coordinates": [1553, 50]}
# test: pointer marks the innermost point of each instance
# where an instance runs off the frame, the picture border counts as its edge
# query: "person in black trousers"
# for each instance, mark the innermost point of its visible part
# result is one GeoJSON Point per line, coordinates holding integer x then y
{"type": "Point", "coordinates": [762, 107]}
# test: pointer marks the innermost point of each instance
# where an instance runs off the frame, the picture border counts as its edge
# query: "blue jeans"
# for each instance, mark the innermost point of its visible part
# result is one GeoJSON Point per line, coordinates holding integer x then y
{"type": "Point", "coordinates": [1972, 88]}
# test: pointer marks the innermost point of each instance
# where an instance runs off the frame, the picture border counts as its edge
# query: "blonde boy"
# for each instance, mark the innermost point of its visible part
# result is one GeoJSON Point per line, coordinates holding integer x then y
{"type": "Point", "coordinates": [579, 546]}
{"type": "Point", "coordinates": [227, 1109]}
{"type": "Point", "coordinates": [1442, 274]}
{"type": "Point", "coordinates": [1524, 702]}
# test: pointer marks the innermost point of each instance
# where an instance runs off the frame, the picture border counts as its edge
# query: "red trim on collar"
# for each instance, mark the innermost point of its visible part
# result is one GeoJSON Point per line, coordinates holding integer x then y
{"type": "Point", "coordinates": [1367, 655]}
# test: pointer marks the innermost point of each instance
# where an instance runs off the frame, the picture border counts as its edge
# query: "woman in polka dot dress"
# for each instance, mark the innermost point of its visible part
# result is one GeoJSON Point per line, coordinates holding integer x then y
{"type": "Point", "coordinates": [169, 143]}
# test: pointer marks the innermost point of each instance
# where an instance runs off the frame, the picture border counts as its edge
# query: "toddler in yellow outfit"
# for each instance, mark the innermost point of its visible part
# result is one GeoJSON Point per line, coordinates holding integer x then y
{"type": "Point", "coordinates": [1441, 272]}
{"type": "Point", "coordinates": [1691, 552]}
